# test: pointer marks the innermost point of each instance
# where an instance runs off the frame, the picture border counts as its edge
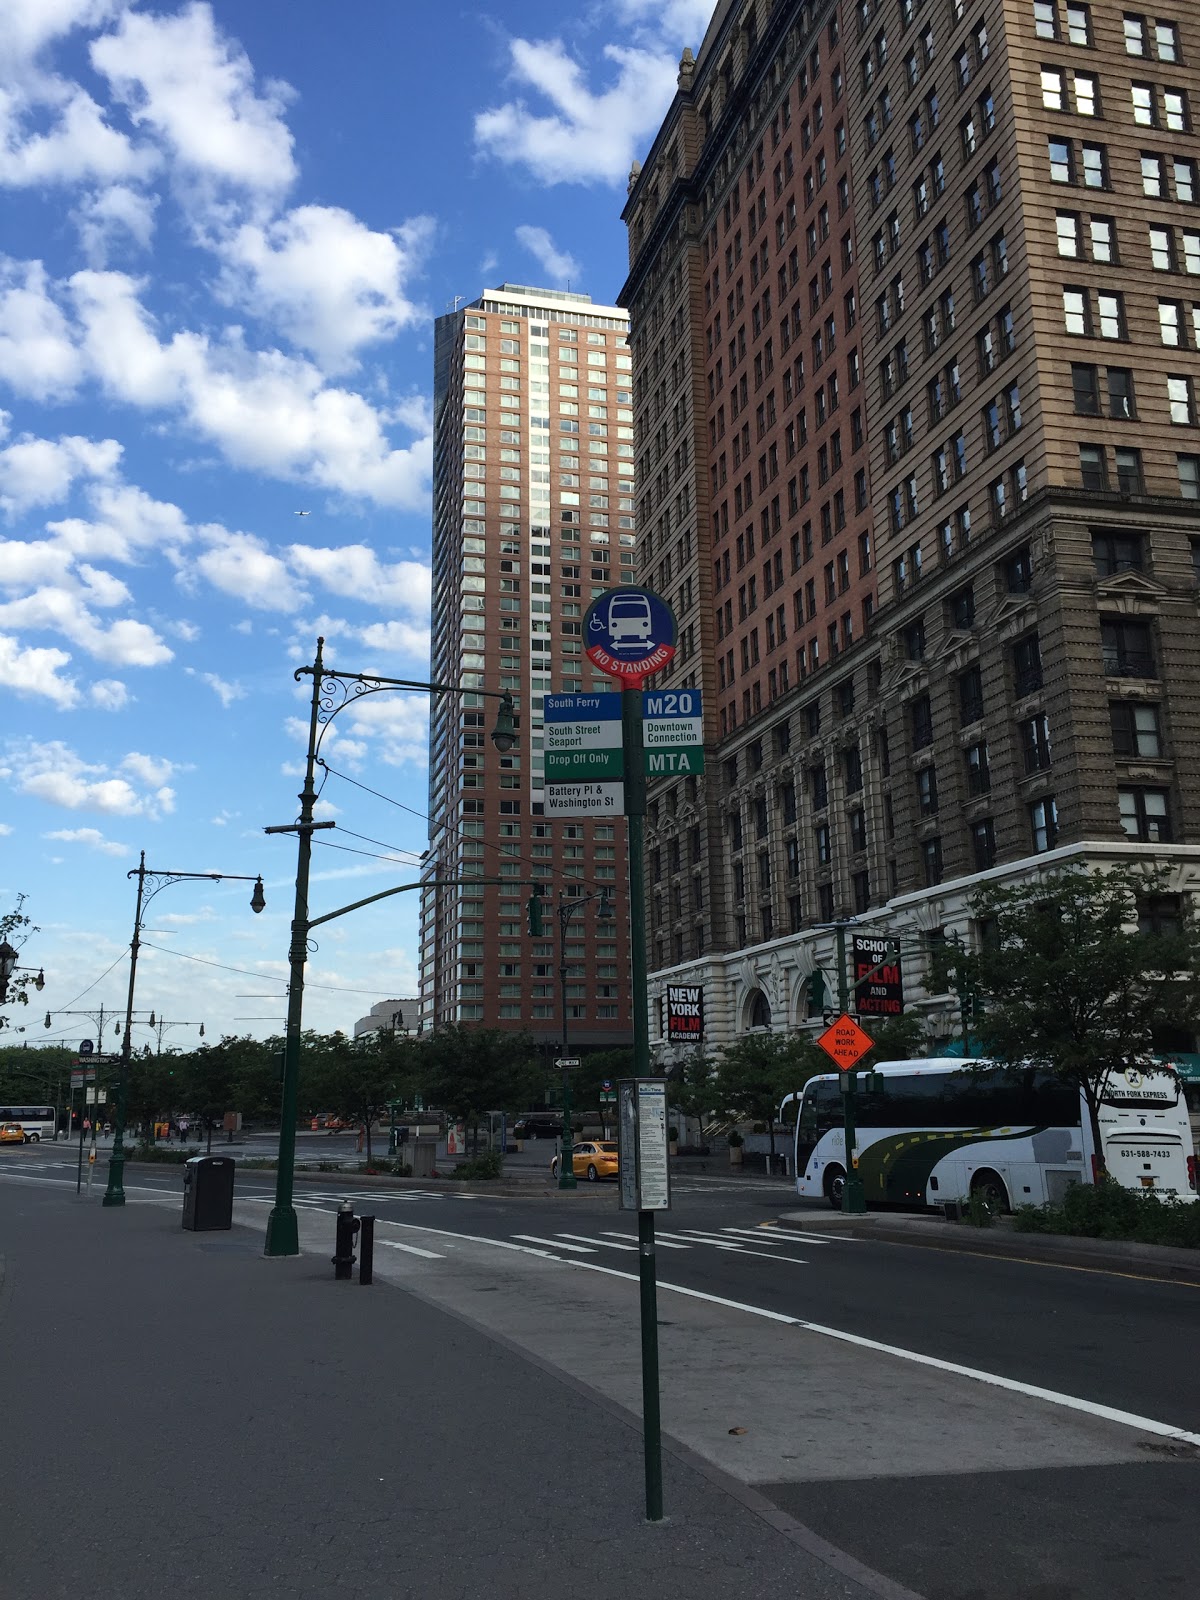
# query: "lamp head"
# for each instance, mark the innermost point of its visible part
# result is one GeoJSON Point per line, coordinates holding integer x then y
{"type": "Point", "coordinates": [8, 961]}
{"type": "Point", "coordinates": [39, 983]}
{"type": "Point", "coordinates": [258, 899]}
{"type": "Point", "coordinates": [504, 734]}
{"type": "Point", "coordinates": [604, 911]}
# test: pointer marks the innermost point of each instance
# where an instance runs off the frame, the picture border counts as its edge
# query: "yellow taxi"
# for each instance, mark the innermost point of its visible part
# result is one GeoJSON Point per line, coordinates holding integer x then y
{"type": "Point", "coordinates": [12, 1133]}
{"type": "Point", "coordinates": [592, 1160]}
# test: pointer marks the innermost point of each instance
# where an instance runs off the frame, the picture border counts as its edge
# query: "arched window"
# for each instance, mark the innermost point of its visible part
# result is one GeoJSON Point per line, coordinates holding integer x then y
{"type": "Point", "coordinates": [759, 1010]}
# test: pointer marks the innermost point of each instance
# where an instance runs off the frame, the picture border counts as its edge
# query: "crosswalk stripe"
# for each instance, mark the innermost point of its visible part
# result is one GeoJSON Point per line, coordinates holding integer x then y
{"type": "Point", "coordinates": [556, 1244]}
{"type": "Point", "coordinates": [765, 1236]}
{"type": "Point", "coordinates": [412, 1250]}
{"type": "Point", "coordinates": [695, 1236]}
{"type": "Point", "coordinates": [608, 1244]}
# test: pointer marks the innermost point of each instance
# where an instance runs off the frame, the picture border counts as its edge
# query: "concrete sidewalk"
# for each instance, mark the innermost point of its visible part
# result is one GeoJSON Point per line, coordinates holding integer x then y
{"type": "Point", "coordinates": [184, 1418]}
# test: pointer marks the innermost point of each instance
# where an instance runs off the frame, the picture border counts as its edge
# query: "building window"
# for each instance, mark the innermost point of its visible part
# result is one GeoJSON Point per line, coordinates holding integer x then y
{"type": "Point", "coordinates": [1043, 822]}
{"type": "Point", "coordinates": [1116, 552]}
{"type": "Point", "coordinates": [970, 696]}
{"type": "Point", "coordinates": [921, 716]}
{"type": "Point", "coordinates": [1093, 467]}
{"type": "Point", "coordinates": [1136, 731]}
{"type": "Point", "coordinates": [1085, 387]}
{"type": "Point", "coordinates": [931, 861]}
{"type": "Point", "coordinates": [1181, 400]}
{"type": "Point", "coordinates": [1144, 814]}
{"type": "Point", "coordinates": [979, 773]}
{"type": "Point", "coordinates": [927, 792]}
{"type": "Point", "coordinates": [983, 844]}
{"type": "Point", "coordinates": [1027, 665]}
{"type": "Point", "coordinates": [1127, 649]}
{"type": "Point", "coordinates": [1035, 743]}
{"type": "Point", "coordinates": [1188, 468]}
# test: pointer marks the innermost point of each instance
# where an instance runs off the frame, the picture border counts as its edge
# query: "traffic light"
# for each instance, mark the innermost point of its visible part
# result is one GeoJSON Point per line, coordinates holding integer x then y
{"type": "Point", "coordinates": [816, 994]}
{"type": "Point", "coordinates": [535, 911]}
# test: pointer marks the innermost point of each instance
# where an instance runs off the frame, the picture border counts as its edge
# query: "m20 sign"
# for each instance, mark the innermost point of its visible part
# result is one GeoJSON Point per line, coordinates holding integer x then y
{"type": "Point", "coordinates": [685, 1013]}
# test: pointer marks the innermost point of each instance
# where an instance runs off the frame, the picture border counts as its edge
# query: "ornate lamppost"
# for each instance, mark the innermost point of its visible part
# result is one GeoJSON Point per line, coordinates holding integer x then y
{"type": "Point", "coordinates": [114, 1194]}
{"type": "Point", "coordinates": [332, 692]}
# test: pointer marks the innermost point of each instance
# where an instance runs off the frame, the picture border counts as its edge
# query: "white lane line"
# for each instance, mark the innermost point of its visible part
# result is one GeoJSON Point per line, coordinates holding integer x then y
{"type": "Point", "coordinates": [607, 1244]}
{"type": "Point", "coordinates": [411, 1249]}
{"type": "Point", "coordinates": [694, 1236]}
{"type": "Point", "coordinates": [826, 1238]}
{"type": "Point", "coordinates": [1033, 1391]}
{"type": "Point", "coordinates": [557, 1244]}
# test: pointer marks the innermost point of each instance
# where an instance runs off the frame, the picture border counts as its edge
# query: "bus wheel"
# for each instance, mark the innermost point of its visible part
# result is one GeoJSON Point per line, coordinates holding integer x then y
{"type": "Point", "coordinates": [835, 1186]}
{"type": "Point", "coordinates": [35, 1138]}
{"type": "Point", "coordinates": [992, 1193]}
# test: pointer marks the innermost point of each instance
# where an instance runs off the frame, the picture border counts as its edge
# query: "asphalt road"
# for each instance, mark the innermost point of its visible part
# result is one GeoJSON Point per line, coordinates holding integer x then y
{"type": "Point", "coordinates": [961, 1490]}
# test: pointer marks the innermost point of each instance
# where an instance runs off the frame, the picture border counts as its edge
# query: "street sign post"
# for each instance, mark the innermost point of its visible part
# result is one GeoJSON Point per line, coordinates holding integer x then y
{"type": "Point", "coordinates": [584, 759]}
{"type": "Point", "coordinates": [845, 1043]}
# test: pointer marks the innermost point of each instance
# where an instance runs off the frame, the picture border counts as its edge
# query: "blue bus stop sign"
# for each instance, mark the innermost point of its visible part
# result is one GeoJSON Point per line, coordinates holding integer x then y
{"type": "Point", "coordinates": [629, 634]}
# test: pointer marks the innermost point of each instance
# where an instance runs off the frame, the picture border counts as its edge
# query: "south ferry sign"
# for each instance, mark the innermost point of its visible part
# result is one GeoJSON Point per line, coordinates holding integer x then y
{"type": "Point", "coordinates": [629, 634]}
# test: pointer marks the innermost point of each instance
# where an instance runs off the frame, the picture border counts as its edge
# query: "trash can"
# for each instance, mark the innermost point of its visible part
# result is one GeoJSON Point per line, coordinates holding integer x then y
{"type": "Point", "coordinates": [208, 1193]}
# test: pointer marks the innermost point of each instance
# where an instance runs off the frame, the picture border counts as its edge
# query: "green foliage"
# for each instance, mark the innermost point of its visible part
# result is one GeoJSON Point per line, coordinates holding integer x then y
{"type": "Point", "coordinates": [470, 1071]}
{"type": "Point", "coordinates": [754, 1073]}
{"type": "Point", "coordinates": [487, 1166]}
{"type": "Point", "coordinates": [1068, 982]}
{"type": "Point", "coordinates": [383, 1164]}
{"type": "Point", "coordinates": [735, 1139]}
{"type": "Point", "coordinates": [692, 1089]}
{"type": "Point", "coordinates": [896, 1039]}
{"type": "Point", "coordinates": [1107, 1210]}
{"type": "Point", "coordinates": [15, 929]}
{"type": "Point", "coordinates": [164, 1154]}
{"type": "Point", "coordinates": [978, 1213]}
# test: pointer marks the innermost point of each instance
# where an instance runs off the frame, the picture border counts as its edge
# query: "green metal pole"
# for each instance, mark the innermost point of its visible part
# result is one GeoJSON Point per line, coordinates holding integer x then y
{"type": "Point", "coordinates": [283, 1230]}
{"type": "Point", "coordinates": [853, 1198]}
{"type": "Point", "coordinates": [114, 1193]}
{"type": "Point", "coordinates": [635, 811]}
{"type": "Point", "coordinates": [566, 1163]}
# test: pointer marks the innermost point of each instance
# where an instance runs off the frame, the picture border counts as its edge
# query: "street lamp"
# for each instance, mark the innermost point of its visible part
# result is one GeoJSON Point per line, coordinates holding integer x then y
{"type": "Point", "coordinates": [331, 693]}
{"type": "Point", "coordinates": [566, 909]}
{"type": "Point", "coordinates": [8, 965]}
{"type": "Point", "coordinates": [114, 1194]}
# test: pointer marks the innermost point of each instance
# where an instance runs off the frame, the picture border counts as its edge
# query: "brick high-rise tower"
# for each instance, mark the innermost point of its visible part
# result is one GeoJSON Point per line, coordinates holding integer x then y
{"type": "Point", "coordinates": [915, 310]}
{"type": "Point", "coordinates": [533, 515]}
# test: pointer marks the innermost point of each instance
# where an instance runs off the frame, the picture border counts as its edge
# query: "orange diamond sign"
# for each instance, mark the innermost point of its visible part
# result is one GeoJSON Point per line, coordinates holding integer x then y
{"type": "Point", "coordinates": [845, 1042]}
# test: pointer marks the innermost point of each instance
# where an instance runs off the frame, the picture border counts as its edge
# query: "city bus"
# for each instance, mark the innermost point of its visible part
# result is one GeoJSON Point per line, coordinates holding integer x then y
{"type": "Point", "coordinates": [35, 1122]}
{"type": "Point", "coordinates": [940, 1130]}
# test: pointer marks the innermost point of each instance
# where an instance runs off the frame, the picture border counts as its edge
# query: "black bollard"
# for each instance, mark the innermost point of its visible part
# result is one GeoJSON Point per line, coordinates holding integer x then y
{"type": "Point", "coordinates": [366, 1243]}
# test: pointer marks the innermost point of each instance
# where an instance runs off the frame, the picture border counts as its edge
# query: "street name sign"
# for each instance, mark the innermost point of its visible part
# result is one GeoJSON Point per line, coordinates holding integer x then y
{"type": "Point", "coordinates": [629, 634]}
{"type": "Point", "coordinates": [564, 1063]}
{"type": "Point", "coordinates": [583, 761]}
{"type": "Point", "coordinates": [845, 1042]}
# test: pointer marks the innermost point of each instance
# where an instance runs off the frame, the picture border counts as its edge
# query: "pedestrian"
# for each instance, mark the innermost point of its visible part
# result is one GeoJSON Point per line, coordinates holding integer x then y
{"type": "Point", "coordinates": [361, 1132]}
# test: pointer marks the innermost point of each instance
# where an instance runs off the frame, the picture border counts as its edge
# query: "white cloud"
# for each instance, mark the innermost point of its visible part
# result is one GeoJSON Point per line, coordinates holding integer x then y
{"type": "Point", "coordinates": [127, 523]}
{"type": "Point", "coordinates": [38, 357]}
{"type": "Point", "coordinates": [57, 774]}
{"type": "Point", "coordinates": [25, 562]}
{"type": "Point", "coordinates": [397, 638]}
{"type": "Point", "coordinates": [225, 691]}
{"type": "Point", "coordinates": [28, 671]}
{"type": "Point", "coordinates": [114, 218]}
{"type": "Point", "coordinates": [397, 727]}
{"type": "Point", "coordinates": [27, 26]}
{"type": "Point", "coordinates": [355, 572]}
{"type": "Point", "coordinates": [151, 770]}
{"type": "Point", "coordinates": [41, 472]}
{"type": "Point", "coordinates": [264, 410]}
{"type": "Point", "coordinates": [242, 565]}
{"type": "Point", "coordinates": [329, 282]}
{"type": "Point", "coordinates": [556, 264]}
{"type": "Point", "coordinates": [92, 837]}
{"type": "Point", "coordinates": [109, 694]}
{"type": "Point", "coordinates": [79, 146]}
{"type": "Point", "coordinates": [5, 830]}
{"type": "Point", "coordinates": [194, 89]}
{"type": "Point", "coordinates": [586, 137]}
{"type": "Point", "coordinates": [685, 20]}
{"type": "Point", "coordinates": [60, 609]}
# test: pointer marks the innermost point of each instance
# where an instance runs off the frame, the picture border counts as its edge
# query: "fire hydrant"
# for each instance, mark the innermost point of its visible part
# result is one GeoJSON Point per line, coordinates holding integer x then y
{"type": "Point", "coordinates": [347, 1232]}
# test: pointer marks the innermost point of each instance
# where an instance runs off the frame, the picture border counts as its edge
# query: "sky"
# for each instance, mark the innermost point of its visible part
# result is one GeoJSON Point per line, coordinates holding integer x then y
{"type": "Point", "coordinates": [225, 231]}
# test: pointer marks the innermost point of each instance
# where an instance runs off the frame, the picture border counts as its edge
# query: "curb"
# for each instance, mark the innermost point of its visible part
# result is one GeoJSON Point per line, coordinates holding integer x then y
{"type": "Point", "coordinates": [1160, 1263]}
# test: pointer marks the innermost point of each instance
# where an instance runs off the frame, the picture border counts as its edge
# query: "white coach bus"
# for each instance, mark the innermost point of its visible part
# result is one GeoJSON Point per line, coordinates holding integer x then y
{"type": "Point", "coordinates": [943, 1129]}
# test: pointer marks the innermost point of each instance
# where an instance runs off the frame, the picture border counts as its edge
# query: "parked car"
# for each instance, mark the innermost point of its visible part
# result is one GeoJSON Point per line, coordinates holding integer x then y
{"type": "Point", "coordinates": [538, 1125]}
{"type": "Point", "coordinates": [593, 1160]}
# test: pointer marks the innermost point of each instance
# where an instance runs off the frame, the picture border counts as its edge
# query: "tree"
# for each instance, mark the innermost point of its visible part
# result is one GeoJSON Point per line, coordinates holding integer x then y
{"type": "Point", "coordinates": [693, 1087]}
{"type": "Point", "coordinates": [356, 1078]}
{"type": "Point", "coordinates": [755, 1073]}
{"type": "Point", "coordinates": [469, 1071]}
{"type": "Point", "coordinates": [895, 1039]}
{"type": "Point", "coordinates": [1069, 983]}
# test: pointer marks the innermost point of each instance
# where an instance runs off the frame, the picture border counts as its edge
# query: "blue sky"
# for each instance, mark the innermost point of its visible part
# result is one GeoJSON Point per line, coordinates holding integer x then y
{"type": "Point", "coordinates": [226, 231]}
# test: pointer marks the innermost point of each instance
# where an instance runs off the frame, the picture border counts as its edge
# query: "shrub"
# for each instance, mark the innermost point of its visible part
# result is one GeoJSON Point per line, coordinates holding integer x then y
{"type": "Point", "coordinates": [383, 1165]}
{"type": "Point", "coordinates": [490, 1165]}
{"type": "Point", "coordinates": [1109, 1211]}
{"type": "Point", "coordinates": [735, 1139]}
{"type": "Point", "coordinates": [162, 1153]}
